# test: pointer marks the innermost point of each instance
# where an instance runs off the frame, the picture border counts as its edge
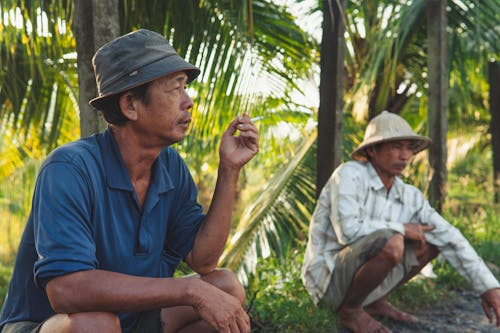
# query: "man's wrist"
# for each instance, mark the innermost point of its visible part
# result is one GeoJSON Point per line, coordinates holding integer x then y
{"type": "Point", "coordinates": [229, 172]}
{"type": "Point", "coordinates": [193, 292]}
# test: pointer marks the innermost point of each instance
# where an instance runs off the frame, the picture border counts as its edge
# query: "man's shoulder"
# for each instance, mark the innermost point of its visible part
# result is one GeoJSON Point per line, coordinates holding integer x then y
{"type": "Point", "coordinates": [352, 167]}
{"type": "Point", "coordinates": [353, 171]}
{"type": "Point", "coordinates": [73, 149]}
{"type": "Point", "coordinates": [76, 153]}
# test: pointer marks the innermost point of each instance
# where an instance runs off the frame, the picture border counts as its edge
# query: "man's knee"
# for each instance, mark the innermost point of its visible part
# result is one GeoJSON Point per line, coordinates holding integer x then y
{"type": "Point", "coordinates": [226, 280]}
{"type": "Point", "coordinates": [83, 322]}
{"type": "Point", "coordinates": [426, 252]}
{"type": "Point", "coordinates": [393, 249]}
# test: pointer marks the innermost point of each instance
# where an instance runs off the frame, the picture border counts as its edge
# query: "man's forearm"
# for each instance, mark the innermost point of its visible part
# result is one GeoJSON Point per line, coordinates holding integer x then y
{"type": "Point", "coordinates": [99, 290]}
{"type": "Point", "coordinates": [213, 233]}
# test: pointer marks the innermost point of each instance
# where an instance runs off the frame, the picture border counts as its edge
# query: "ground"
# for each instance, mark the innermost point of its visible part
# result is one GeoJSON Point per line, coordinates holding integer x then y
{"type": "Point", "coordinates": [461, 313]}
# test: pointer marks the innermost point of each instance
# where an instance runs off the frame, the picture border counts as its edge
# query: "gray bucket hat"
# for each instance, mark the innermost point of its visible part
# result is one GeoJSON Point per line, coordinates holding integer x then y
{"type": "Point", "coordinates": [385, 127]}
{"type": "Point", "coordinates": [132, 60]}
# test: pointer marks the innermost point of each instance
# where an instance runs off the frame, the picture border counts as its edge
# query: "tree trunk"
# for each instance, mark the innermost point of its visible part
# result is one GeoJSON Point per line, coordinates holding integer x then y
{"type": "Point", "coordinates": [494, 99]}
{"type": "Point", "coordinates": [438, 100]}
{"type": "Point", "coordinates": [95, 23]}
{"type": "Point", "coordinates": [329, 153]}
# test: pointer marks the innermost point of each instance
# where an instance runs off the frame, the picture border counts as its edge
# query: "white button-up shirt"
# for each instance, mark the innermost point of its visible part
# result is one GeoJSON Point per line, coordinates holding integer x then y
{"type": "Point", "coordinates": [354, 203]}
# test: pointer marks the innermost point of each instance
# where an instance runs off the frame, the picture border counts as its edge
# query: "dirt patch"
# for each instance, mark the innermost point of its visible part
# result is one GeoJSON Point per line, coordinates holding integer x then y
{"type": "Point", "coordinates": [461, 313]}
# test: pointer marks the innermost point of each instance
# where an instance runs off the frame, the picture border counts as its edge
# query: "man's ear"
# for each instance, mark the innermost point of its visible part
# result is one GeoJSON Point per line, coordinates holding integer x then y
{"type": "Point", "coordinates": [128, 106]}
{"type": "Point", "coordinates": [370, 150]}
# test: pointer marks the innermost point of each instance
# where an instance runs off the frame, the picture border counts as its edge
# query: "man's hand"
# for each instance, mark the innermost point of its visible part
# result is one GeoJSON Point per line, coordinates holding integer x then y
{"type": "Point", "coordinates": [236, 151]}
{"type": "Point", "coordinates": [416, 231]}
{"type": "Point", "coordinates": [221, 310]}
{"type": "Point", "coordinates": [490, 300]}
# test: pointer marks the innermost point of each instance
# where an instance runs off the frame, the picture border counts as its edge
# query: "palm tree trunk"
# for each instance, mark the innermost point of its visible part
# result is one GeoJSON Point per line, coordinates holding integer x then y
{"type": "Point", "coordinates": [331, 91]}
{"type": "Point", "coordinates": [438, 99]}
{"type": "Point", "coordinates": [494, 101]}
{"type": "Point", "coordinates": [95, 23]}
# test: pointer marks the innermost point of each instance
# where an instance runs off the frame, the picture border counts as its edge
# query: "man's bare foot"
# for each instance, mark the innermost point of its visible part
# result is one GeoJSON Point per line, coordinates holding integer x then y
{"type": "Point", "coordinates": [358, 321]}
{"type": "Point", "coordinates": [385, 309]}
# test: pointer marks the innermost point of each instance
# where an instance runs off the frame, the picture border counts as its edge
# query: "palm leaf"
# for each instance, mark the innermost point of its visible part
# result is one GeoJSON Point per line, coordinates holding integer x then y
{"type": "Point", "coordinates": [273, 221]}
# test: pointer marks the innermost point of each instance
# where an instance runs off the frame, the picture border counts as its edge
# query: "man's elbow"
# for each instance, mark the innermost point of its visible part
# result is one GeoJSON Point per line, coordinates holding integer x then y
{"type": "Point", "coordinates": [207, 269]}
{"type": "Point", "coordinates": [202, 267]}
{"type": "Point", "coordinates": [59, 296]}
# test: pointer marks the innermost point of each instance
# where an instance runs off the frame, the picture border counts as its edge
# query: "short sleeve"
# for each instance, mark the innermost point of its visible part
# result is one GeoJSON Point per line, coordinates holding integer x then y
{"type": "Point", "coordinates": [62, 230]}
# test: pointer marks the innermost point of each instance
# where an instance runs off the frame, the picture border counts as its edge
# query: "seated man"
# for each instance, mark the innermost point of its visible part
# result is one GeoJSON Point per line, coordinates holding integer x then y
{"type": "Point", "coordinates": [113, 214]}
{"type": "Point", "coordinates": [371, 232]}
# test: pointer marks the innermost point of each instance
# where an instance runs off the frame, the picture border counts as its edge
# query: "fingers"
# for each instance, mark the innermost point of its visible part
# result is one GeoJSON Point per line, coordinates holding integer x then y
{"type": "Point", "coordinates": [246, 124]}
{"type": "Point", "coordinates": [244, 323]}
{"type": "Point", "coordinates": [428, 227]}
{"type": "Point", "coordinates": [248, 132]}
{"type": "Point", "coordinates": [226, 314]}
{"type": "Point", "coordinates": [496, 310]}
{"type": "Point", "coordinates": [489, 314]}
{"type": "Point", "coordinates": [238, 324]}
{"type": "Point", "coordinates": [487, 311]}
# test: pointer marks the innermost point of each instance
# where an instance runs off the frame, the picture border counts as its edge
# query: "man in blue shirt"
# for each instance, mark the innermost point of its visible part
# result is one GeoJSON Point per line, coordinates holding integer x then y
{"type": "Point", "coordinates": [114, 214]}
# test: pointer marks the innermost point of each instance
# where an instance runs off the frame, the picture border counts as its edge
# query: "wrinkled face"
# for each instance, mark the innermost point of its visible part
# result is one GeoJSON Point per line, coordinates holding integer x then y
{"type": "Point", "coordinates": [391, 158]}
{"type": "Point", "coordinates": [164, 117]}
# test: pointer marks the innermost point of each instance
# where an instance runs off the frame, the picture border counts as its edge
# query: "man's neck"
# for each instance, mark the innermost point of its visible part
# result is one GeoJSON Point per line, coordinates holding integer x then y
{"type": "Point", "coordinates": [386, 178]}
{"type": "Point", "coordinates": [138, 158]}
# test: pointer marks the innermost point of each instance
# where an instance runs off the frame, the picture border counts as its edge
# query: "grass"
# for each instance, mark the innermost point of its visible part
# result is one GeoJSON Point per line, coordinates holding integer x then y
{"type": "Point", "coordinates": [278, 302]}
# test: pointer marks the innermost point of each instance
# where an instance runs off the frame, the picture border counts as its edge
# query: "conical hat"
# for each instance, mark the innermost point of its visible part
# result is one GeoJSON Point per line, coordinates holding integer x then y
{"type": "Point", "coordinates": [385, 127]}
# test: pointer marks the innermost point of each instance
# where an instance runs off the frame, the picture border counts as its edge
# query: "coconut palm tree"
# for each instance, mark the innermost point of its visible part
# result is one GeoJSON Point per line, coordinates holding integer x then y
{"type": "Point", "coordinates": [253, 58]}
{"type": "Point", "coordinates": [386, 68]}
{"type": "Point", "coordinates": [251, 55]}
{"type": "Point", "coordinates": [246, 66]}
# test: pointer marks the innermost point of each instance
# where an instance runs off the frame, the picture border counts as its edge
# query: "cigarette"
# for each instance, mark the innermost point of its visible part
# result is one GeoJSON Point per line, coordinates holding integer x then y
{"type": "Point", "coordinates": [256, 119]}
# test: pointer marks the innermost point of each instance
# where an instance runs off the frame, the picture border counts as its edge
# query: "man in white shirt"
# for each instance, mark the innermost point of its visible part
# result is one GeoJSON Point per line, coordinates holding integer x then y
{"type": "Point", "coordinates": [371, 232]}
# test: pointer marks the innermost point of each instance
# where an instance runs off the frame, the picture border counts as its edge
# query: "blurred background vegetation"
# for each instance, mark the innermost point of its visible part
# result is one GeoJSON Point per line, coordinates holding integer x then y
{"type": "Point", "coordinates": [262, 57]}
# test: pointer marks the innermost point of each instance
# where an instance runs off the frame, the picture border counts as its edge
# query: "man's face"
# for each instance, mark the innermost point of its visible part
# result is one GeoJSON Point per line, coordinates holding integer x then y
{"type": "Point", "coordinates": [391, 158]}
{"type": "Point", "coordinates": [165, 116]}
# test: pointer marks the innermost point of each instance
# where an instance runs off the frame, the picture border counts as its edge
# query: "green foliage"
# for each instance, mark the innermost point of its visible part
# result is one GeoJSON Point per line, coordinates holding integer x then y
{"type": "Point", "coordinates": [15, 204]}
{"type": "Point", "coordinates": [419, 293]}
{"type": "Point", "coordinates": [385, 67]}
{"type": "Point", "coordinates": [278, 301]}
{"type": "Point", "coordinates": [5, 273]}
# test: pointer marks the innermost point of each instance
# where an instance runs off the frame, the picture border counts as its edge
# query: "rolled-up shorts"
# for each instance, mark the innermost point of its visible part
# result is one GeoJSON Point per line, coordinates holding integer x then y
{"type": "Point", "coordinates": [353, 256]}
{"type": "Point", "coordinates": [149, 322]}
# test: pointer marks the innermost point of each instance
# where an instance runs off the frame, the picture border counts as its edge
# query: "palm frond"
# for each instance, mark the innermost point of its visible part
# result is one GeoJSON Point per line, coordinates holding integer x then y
{"type": "Point", "coordinates": [279, 215]}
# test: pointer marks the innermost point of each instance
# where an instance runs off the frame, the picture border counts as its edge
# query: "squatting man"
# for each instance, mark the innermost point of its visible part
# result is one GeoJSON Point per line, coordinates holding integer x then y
{"type": "Point", "coordinates": [115, 213]}
{"type": "Point", "coordinates": [371, 232]}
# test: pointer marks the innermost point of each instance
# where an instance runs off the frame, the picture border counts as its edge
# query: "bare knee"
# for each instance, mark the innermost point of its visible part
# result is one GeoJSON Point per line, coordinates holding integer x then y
{"type": "Point", "coordinates": [227, 281]}
{"type": "Point", "coordinates": [83, 322]}
{"type": "Point", "coordinates": [393, 250]}
{"type": "Point", "coordinates": [426, 252]}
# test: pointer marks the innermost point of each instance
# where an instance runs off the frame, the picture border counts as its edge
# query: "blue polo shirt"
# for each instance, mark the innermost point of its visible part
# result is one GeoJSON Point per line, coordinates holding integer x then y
{"type": "Point", "coordinates": [85, 215]}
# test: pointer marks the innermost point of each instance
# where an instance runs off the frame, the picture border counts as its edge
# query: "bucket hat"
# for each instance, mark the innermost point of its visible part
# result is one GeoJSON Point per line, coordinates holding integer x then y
{"type": "Point", "coordinates": [386, 127]}
{"type": "Point", "coordinates": [132, 60]}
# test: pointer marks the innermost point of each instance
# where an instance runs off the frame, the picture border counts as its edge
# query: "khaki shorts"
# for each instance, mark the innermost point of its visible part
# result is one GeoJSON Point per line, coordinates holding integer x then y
{"type": "Point", "coordinates": [352, 257]}
{"type": "Point", "coordinates": [22, 327]}
{"type": "Point", "coordinates": [149, 322]}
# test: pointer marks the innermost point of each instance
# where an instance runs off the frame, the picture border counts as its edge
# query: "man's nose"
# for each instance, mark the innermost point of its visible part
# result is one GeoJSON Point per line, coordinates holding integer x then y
{"type": "Point", "coordinates": [187, 103]}
{"type": "Point", "coordinates": [406, 153]}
